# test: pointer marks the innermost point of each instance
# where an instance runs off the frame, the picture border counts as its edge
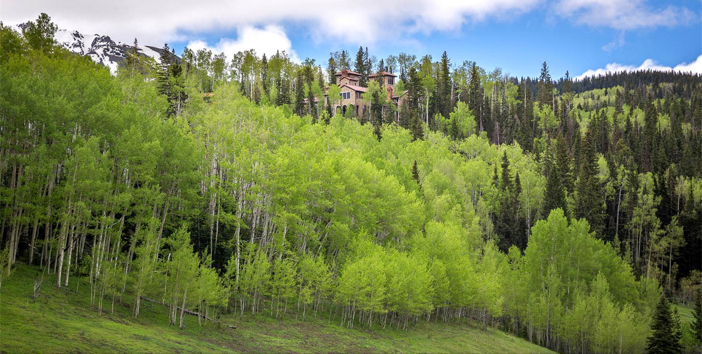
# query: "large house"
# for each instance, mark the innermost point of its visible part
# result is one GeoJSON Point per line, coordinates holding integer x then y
{"type": "Point", "coordinates": [352, 93]}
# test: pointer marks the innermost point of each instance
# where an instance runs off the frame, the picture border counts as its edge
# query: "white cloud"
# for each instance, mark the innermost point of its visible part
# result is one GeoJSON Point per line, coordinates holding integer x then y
{"type": "Point", "coordinates": [614, 44]}
{"type": "Point", "coordinates": [648, 64]}
{"type": "Point", "coordinates": [364, 22]}
{"type": "Point", "coordinates": [266, 40]}
{"type": "Point", "coordinates": [359, 22]}
{"type": "Point", "coordinates": [693, 67]}
{"type": "Point", "coordinates": [622, 14]}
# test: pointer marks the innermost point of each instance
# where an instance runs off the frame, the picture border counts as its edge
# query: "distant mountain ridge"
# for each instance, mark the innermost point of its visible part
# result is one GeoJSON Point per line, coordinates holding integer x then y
{"type": "Point", "coordinates": [102, 49]}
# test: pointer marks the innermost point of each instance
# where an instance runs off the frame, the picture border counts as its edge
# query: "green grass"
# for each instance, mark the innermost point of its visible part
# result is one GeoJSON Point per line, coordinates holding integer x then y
{"type": "Point", "coordinates": [64, 321]}
{"type": "Point", "coordinates": [685, 313]}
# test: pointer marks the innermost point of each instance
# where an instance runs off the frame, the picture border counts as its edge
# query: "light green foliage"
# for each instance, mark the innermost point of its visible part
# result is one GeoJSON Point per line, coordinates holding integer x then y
{"type": "Point", "coordinates": [567, 268]}
{"type": "Point", "coordinates": [366, 223]}
{"type": "Point", "coordinates": [461, 123]}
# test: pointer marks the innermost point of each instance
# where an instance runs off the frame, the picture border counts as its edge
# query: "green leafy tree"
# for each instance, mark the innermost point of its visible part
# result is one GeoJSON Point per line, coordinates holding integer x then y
{"type": "Point", "coordinates": [40, 33]}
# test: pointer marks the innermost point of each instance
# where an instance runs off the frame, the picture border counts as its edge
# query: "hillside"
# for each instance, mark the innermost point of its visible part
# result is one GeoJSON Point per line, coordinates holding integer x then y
{"type": "Point", "coordinates": [62, 320]}
{"type": "Point", "coordinates": [266, 187]}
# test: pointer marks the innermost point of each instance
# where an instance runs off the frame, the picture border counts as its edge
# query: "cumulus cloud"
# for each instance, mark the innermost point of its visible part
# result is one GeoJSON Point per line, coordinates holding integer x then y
{"type": "Point", "coordinates": [623, 14]}
{"type": "Point", "coordinates": [360, 22]}
{"type": "Point", "coordinates": [155, 22]}
{"type": "Point", "coordinates": [694, 67]}
{"type": "Point", "coordinates": [266, 40]}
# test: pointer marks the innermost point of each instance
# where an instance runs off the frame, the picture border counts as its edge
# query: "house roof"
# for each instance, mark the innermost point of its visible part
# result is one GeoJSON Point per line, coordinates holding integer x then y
{"type": "Point", "coordinates": [347, 72]}
{"type": "Point", "coordinates": [400, 95]}
{"type": "Point", "coordinates": [355, 88]}
{"type": "Point", "coordinates": [383, 73]}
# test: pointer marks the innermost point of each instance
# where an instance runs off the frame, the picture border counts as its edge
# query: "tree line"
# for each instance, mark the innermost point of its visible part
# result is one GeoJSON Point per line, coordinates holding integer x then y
{"type": "Point", "coordinates": [561, 218]}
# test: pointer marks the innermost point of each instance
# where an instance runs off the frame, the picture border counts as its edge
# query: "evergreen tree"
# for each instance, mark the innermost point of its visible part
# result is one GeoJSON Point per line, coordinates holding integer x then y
{"type": "Point", "coordinates": [361, 66]}
{"type": "Point", "coordinates": [444, 88]}
{"type": "Point", "coordinates": [564, 165]}
{"type": "Point", "coordinates": [554, 197]}
{"type": "Point", "coordinates": [415, 174]}
{"type": "Point", "coordinates": [416, 125]}
{"type": "Point", "coordinates": [264, 74]}
{"type": "Point", "coordinates": [545, 93]}
{"type": "Point", "coordinates": [171, 82]}
{"type": "Point", "coordinates": [697, 314]}
{"type": "Point", "coordinates": [332, 69]}
{"type": "Point", "coordinates": [664, 338]}
{"type": "Point", "coordinates": [475, 96]}
{"type": "Point", "coordinates": [132, 60]}
{"type": "Point", "coordinates": [589, 195]}
{"type": "Point", "coordinates": [300, 94]}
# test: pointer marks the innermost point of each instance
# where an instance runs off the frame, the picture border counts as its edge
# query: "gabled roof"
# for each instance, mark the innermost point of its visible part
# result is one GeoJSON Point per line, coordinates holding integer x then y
{"type": "Point", "coordinates": [355, 88]}
{"type": "Point", "coordinates": [383, 73]}
{"type": "Point", "coordinates": [400, 95]}
{"type": "Point", "coordinates": [347, 72]}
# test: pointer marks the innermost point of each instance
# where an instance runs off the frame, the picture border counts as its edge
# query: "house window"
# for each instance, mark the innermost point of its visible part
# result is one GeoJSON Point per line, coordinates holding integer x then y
{"type": "Point", "coordinates": [345, 95]}
{"type": "Point", "coordinates": [390, 81]}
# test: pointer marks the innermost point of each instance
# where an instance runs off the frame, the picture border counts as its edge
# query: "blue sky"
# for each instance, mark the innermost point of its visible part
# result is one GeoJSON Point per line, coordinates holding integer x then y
{"type": "Point", "coordinates": [514, 35]}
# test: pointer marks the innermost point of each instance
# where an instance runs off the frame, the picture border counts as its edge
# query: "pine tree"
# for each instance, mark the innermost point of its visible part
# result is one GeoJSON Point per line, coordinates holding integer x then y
{"type": "Point", "coordinates": [360, 66]}
{"type": "Point", "coordinates": [475, 96]}
{"type": "Point", "coordinates": [506, 219]}
{"type": "Point", "coordinates": [444, 88]}
{"type": "Point", "coordinates": [367, 68]}
{"type": "Point", "coordinates": [332, 69]}
{"type": "Point", "coordinates": [264, 74]}
{"type": "Point", "coordinates": [697, 323]}
{"type": "Point", "coordinates": [553, 197]}
{"type": "Point", "coordinates": [300, 94]}
{"type": "Point", "coordinates": [415, 174]}
{"type": "Point", "coordinates": [545, 93]}
{"type": "Point", "coordinates": [664, 338]}
{"type": "Point", "coordinates": [589, 200]}
{"type": "Point", "coordinates": [416, 125]}
{"type": "Point", "coordinates": [563, 164]}
{"type": "Point", "coordinates": [132, 60]}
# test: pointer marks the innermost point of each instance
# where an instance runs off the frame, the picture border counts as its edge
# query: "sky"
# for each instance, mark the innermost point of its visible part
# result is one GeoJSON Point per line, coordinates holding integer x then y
{"type": "Point", "coordinates": [584, 37]}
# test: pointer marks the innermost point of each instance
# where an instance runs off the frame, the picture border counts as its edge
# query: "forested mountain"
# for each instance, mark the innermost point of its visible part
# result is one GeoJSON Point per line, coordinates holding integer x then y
{"type": "Point", "coordinates": [562, 214]}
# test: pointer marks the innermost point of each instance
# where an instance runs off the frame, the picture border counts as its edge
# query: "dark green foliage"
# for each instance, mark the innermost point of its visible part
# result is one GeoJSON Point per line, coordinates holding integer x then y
{"type": "Point", "coordinates": [444, 106]}
{"type": "Point", "coordinates": [299, 106]}
{"type": "Point", "coordinates": [415, 174]}
{"type": "Point", "coordinates": [416, 125]}
{"type": "Point", "coordinates": [290, 212]}
{"type": "Point", "coordinates": [475, 98]}
{"type": "Point", "coordinates": [697, 323]}
{"type": "Point", "coordinates": [665, 335]}
{"type": "Point", "coordinates": [564, 165]}
{"type": "Point", "coordinates": [554, 197]}
{"type": "Point", "coordinates": [589, 193]}
{"type": "Point", "coordinates": [171, 82]}
{"type": "Point", "coordinates": [40, 33]}
{"type": "Point", "coordinates": [545, 94]}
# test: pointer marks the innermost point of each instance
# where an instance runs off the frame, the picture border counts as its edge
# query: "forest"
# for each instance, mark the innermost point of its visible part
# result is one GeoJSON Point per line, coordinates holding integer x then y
{"type": "Point", "coordinates": [565, 212]}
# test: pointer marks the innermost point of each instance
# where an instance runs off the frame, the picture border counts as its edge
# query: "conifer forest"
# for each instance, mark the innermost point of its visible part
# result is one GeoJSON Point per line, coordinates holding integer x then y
{"type": "Point", "coordinates": [562, 212]}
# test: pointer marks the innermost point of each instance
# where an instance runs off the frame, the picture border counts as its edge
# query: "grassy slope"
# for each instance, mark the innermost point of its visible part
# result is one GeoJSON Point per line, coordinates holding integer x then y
{"type": "Point", "coordinates": [63, 321]}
